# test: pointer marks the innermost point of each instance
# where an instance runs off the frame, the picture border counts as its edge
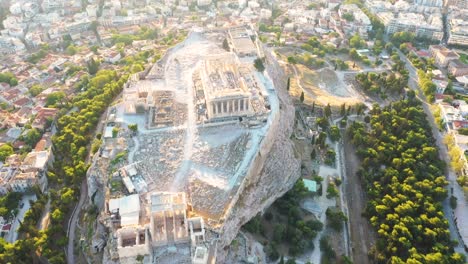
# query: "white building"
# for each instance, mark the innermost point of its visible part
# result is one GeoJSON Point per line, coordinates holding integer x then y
{"type": "Point", "coordinates": [126, 208]}
{"type": "Point", "coordinates": [91, 10]}
{"type": "Point", "coordinates": [430, 27]}
{"type": "Point", "coordinates": [361, 20]}
{"type": "Point", "coordinates": [203, 2]}
{"type": "Point", "coordinates": [23, 181]}
{"type": "Point", "coordinates": [241, 43]}
{"type": "Point", "coordinates": [458, 27]}
{"type": "Point", "coordinates": [433, 3]}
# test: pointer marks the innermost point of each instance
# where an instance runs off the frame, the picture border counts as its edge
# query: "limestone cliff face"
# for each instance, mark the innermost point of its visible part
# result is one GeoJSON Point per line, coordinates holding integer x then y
{"type": "Point", "coordinates": [275, 168]}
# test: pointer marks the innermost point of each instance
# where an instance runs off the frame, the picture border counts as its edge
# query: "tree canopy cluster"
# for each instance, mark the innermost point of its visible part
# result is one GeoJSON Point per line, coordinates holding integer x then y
{"type": "Point", "coordinates": [74, 132]}
{"type": "Point", "coordinates": [314, 46]}
{"type": "Point", "coordinates": [31, 137]}
{"type": "Point", "coordinates": [5, 151]}
{"type": "Point", "coordinates": [36, 89]}
{"type": "Point", "coordinates": [427, 85]}
{"type": "Point", "coordinates": [306, 60]}
{"type": "Point", "coordinates": [289, 228]}
{"type": "Point", "coordinates": [402, 37]}
{"type": "Point", "coordinates": [422, 63]}
{"type": "Point", "coordinates": [9, 202]}
{"type": "Point", "coordinates": [270, 29]}
{"type": "Point", "coordinates": [8, 77]}
{"type": "Point", "coordinates": [36, 57]}
{"type": "Point", "coordinates": [381, 83]}
{"type": "Point", "coordinates": [405, 182]}
{"type": "Point", "coordinates": [127, 39]}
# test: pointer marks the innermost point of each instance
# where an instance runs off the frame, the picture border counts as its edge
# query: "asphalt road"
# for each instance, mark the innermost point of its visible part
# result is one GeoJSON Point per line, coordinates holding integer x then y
{"type": "Point", "coordinates": [72, 223]}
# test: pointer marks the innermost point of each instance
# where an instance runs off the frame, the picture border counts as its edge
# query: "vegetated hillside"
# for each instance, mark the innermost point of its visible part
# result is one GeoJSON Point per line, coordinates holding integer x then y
{"type": "Point", "coordinates": [74, 132]}
{"type": "Point", "coordinates": [404, 178]}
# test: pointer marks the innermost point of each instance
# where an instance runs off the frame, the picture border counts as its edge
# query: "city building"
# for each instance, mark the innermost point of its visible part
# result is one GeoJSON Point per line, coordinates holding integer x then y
{"type": "Point", "coordinates": [240, 41]}
{"type": "Point", "coordinates": [434, 3]}
{"type": "Point", "coordinates": [203, 2]}
{"type": "Point", "coordinates": [457, 68]}
{"type": "Point", "coordinates": [458, 26]}
{"type": "Point", "coordinates": [359, 18]}
{"type": "Point", "coordinates": [429, 26]}
{"type": "Point", "coordinates": [442, 55]}
{"type": "Point", "coordinates": [23, 181]}
{"type": "Point", "coordinates": [457, 3]}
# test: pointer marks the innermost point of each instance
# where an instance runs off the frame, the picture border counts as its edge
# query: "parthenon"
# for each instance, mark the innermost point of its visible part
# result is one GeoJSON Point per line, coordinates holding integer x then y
{"type": "Point", "coordinates": [226, 91]}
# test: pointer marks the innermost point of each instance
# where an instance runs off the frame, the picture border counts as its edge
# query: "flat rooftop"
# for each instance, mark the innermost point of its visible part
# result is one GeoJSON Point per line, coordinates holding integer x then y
{"type": "Point", "coordinates": [241, 40]}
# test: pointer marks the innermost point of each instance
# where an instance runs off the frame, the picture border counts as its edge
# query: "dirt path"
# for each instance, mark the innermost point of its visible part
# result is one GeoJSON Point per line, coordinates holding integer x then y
{"type": "Point", "coordinates": [362, 236]}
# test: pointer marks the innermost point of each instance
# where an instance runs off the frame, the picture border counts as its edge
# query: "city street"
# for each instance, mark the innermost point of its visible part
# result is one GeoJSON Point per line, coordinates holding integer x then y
{"type": "Point", "coordinates": [12, 236]}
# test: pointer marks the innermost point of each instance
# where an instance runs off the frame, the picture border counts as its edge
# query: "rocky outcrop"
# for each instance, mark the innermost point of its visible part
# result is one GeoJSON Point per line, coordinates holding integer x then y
{"type": "Point", "coordinates": [274, 170]}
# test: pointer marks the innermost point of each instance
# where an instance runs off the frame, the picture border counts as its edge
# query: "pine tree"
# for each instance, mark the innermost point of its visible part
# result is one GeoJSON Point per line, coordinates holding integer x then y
{"type": "Point", "coordinates": [289, 83]}
{"type": "Point", "coordinates": [313, 154]}
{"type": "Point", "coordinates": [328, 110]}
{"type": "Point", "coordinates": [302, 97]}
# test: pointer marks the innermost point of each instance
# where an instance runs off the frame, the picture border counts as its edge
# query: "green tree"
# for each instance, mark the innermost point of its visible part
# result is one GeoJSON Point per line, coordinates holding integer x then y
{"type": "Point", "coordinates": [258, 63]}
{"type": "Point", "coordinates": [348, 17]}
{"type": "Point", "coordinates": [5, 151]}
{"type": "Point", "coordinates": [335, 133]}
{"type": "Point", "coordinates": [328, 111]}
{"type": "Point", "coordinates": [93, 66]}
{"type": "Point", "coordinates": [357, 42]}
{"type": "Point", "coordinates": [96, 145]}
{"type": "Point", "coordinates": [226, 45]}
{"type": "Point", "coordinates": [272, 251]}
{"type": "Point", "coordinates": [335, 219]}
{"type": "Point", "coordinates": [292, 60]}
{"type": "Point", "coordinates": [115, 132]}
{"type": "Point", "coordinates": [133, 127]}
{"type": "Point", "coordinates": [57, 216]}
{"type": "Point", "coordinates": [354, 54]}
{"type": "Point", "coordinates": [71, 50]}
{"type": "Point", "coordinates": [332, 192]}
{"type": "Point", "coordinates": [8, 77]}
{"type": "Point", "coordinates": [301, 98]}
{"type": "Point", "coordinates": [55, 98]}
{"type": "Point", "coordinates": [36, 89]}
{"type": "Point", "coordinates": [343, 109]}
{"type": "Point", "coordinates": [278, 233]}
{"type": "Point", "coordinates": [322, 123]}
{"type": "Point", "coordinates": [31, 137]}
